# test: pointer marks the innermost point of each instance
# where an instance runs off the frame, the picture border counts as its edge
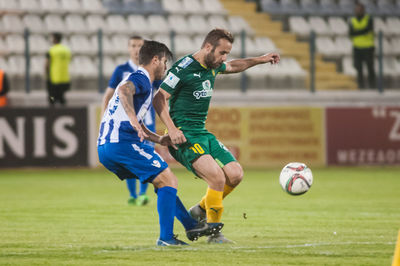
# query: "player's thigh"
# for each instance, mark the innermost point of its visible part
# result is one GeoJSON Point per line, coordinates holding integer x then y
{"type": "Point", "coordinates": [207, 168]}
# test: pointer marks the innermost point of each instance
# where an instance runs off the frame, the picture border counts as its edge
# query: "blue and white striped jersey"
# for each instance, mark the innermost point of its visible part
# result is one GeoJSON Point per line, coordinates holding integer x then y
{"type": "Point", "coordinates": [115, 126]}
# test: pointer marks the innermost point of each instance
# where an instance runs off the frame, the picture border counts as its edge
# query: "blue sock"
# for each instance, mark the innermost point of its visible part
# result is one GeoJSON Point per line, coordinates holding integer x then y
{"type": "Point", "coordinates": [183, 216]}
{"type": "Point", "coordinates": [166, 207]}
{"type": "Point", "coordinates": [131, 184]}
{"type": "Point", "coordinates": [143, 188]}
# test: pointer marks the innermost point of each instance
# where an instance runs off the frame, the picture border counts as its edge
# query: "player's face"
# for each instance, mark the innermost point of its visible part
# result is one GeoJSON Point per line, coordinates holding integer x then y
{"type": "Point", "coordinates": [161, 68]}
{"type": "Point", "coordinates": [218, 54]}
{"type": "Point", "coordinates": [134, 47]}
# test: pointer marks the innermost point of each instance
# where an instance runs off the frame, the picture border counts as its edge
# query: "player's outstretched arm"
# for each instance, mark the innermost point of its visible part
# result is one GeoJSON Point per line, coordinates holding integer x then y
{"type": "Point", "coordinates": [106, 98]}
{"type": "Point", "coordinates": [125, 93]}
{"type": "Point", "coordinates": [239, 65]}
{"type": "Point", "coordinates": [160, 104]}
{"type": "Point", "coordinates": [164, 140]}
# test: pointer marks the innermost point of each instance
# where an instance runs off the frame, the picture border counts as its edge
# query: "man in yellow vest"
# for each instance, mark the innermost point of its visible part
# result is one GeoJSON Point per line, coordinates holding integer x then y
{"type": "Point", "coordinates": [4, 87]}
{"type": "Point", "coordinates": [362, 35]}
{"type": "Point", "coordinates": [57, 70]}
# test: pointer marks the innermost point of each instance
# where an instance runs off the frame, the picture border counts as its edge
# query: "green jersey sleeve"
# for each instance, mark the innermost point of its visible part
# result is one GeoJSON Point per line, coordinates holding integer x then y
{"type": "Point", "coordinates": [221, 68]}
{"type": "Point", "coordinates": [172, 82]}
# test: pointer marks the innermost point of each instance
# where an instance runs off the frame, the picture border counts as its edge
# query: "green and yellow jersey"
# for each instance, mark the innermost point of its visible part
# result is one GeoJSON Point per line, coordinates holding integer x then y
{"type": "Point", "coordinates": [191, 86]}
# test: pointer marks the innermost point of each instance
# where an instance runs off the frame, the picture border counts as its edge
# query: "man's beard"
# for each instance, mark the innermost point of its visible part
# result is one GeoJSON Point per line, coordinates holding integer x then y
{"type": "Point", "coordinates": [209, 60]}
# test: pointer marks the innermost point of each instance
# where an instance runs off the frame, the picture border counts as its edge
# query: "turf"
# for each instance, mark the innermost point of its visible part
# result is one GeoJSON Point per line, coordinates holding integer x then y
{"type": "Point", "coordinates": [81, 217]}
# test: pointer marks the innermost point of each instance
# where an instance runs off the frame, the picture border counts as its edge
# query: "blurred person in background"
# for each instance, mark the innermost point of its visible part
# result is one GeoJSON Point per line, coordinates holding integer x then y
{"type": "Point", "coordinates": [361, 31]}
{"type": "Point", "coordinates": [120, 73]}
{"type": "Point", "coordinates": [4, 88]}
{"type": "Point", "coordinates": [57, 70]}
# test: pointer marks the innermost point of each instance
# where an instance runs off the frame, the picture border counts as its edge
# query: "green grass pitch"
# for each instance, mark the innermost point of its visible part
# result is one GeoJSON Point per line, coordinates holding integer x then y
{"type": "Point", "coordinates": [350, 216]}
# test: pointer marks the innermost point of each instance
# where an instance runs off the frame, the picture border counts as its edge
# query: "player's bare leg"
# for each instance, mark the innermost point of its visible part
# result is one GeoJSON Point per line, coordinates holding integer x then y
{"type": "Point", "coordinates": [208, 169]}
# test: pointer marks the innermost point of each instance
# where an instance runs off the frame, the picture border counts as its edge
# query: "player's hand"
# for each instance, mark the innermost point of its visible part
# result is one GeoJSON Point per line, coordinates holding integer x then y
{"type": "Point", "coordinates": [272, 58]}
{"type": "Point", "coordinates": [176, 136]}
{"type": "Point", "coordinates": [140, 132]}
{"type": "Point", "coordinates": [166, 141]}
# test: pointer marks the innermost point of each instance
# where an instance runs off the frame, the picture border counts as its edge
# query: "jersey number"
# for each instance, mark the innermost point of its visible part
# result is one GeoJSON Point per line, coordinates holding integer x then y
{"type": "Point", "coordinates": [197, 148]}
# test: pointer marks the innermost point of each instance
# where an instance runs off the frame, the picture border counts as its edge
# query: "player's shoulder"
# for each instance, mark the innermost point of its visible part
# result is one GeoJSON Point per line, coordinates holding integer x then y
{"type": "Point", "coordinates": [183, 64]}
{"type": "Point", "coordinates": [122, 67]}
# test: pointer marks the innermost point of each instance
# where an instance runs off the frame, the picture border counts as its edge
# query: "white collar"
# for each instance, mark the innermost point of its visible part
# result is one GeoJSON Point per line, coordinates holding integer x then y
{"type": "Point", "coordinates": [145, 72]}
{"type": "Point", "coordinates": [133, 65]}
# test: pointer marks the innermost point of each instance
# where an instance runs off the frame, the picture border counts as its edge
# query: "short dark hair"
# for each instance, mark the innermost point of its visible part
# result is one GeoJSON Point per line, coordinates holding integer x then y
{"type": "Point", "coordinates": [57, 36]}
{"type": "Point", "coordinates": [215, 35]}
{"type": "Point", "coordinates": [151, 49]}
{"type": "Point", "coordinates": [135, 37]}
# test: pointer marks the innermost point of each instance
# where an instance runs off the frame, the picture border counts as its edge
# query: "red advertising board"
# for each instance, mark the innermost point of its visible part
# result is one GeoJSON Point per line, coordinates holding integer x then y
{"type": "Point", "coordinates": [363, 136]}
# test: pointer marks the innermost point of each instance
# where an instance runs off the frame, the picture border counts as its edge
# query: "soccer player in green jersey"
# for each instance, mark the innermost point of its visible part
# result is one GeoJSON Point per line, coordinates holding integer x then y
{"type": "Point", "coordinates": [188, 87]}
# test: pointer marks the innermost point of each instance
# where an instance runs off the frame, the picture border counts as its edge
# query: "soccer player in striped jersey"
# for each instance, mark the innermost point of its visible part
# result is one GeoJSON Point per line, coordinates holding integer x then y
{"type": "Point", "coordinates": [122, 151]}
{"type": "Point", "coordinates": [120, 73]}
{"type": "Point", "coordinates": [188, 87]}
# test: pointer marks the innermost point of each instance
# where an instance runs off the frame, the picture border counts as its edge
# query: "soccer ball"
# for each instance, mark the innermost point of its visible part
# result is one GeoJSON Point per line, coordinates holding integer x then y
{"type": "Point", "coordinates": [296, 178]}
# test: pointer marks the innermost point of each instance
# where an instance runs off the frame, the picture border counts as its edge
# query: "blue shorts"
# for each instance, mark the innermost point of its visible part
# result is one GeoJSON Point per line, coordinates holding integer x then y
{"type": "Point", "coordinates": [132, 160]}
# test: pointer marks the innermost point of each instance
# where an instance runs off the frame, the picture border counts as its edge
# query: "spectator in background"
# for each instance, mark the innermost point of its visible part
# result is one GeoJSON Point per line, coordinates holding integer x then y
{"type": "Point", "coordinates": [57, 70]}
{"type": "Point", "coordinates": [4, 88]}
{"type": "Point", "coordinates": [120, 73]}
{"type": "Point", "coordinates": [362, 34]}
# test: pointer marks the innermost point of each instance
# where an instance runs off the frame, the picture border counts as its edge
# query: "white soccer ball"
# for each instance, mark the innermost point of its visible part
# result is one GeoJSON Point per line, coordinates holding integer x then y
{"type": "Point", "coordinates": [296, 178]}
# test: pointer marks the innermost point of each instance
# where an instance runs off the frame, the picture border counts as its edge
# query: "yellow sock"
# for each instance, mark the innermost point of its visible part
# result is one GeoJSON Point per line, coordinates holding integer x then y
{"type": "Point", "coordinates": [214, 207]}
{"type": "Point", "coordinates": [227, 190]}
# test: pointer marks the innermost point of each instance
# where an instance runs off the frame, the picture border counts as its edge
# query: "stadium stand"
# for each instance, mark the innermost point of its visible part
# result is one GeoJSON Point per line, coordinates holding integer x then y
{"type": "Point", "coordinates": [281, 26]}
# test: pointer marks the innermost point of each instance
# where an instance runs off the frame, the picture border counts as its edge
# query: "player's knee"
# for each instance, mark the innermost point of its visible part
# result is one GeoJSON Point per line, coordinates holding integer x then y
{"type": "Point", "coordinates": [234, 174]}
{"type": "Point", "coordinates": [166, 179]}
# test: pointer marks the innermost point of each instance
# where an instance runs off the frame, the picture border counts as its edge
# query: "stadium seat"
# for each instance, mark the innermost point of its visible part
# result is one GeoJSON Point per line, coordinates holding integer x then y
{"type": "Point", "coordinates": [93, 7]}
{"type": "Point", "coordinates": [343, 45]}
{"type": "Point", "coordinates": [80, 44]}
{"type": "Point", "coordinates": [113, 6]}
{"type": "Point", "coordinates": [319, 26]}
{"type": "Point", "coordinates": [117, 24]}
{"type": "Point", "coordinates": [385, 8]}
{"type": "Point", "coordinates": [179, 25]}
{"type": "Point", "coordinates": [326, 46]}
{"type": "Point", "coordinates": [34, 23]}
{"type": "Point", "coordinates": [108, 47]}
{"type": "Point", "coordinates": [37, 66]}
{"type": "Point", "coordinates": [38, 44]}
{"type": "Point", "coordinates": [109, 66]}
{"type": "Point", "coordinates": [76, 24]}
{"type": "Point", "coordinates": [198, 41]}
{"type": "Point", "coordinates": [329, 8]}
{"type": "Point", "coordinates": [8, 6]}
{"type": "Point", "coordinates": [54, 23]}
{"type": "Point", "coordinates": [193, 7]}
{"type": "Point", "coordinates": [51, 6]}
{"type": "Point", "coordinates": [16, 65]}
{"type": "Point", "coordinates": [380, 25]}
{"type": "Point", "coordinates": [173, 7]}
{"type": "Point", "coordinates": [12, 24]}
{"type": "Point", "coordinates": [218, 21]}
{"type": "Point", "coordinates": [153, 7]}
{"type": "Point", "coordinates": [3, 48]}
{"type": "Point", "coordinates": [198, 24]}
{"type": "Point", "coordinates": [299, 26]}
{"type": "Point", "coordinates": [96, 22]}
{"type": "Point", "coordinates": [120, 43]}
{"type": "Point", "coordinates": [15, 44]}
{"type": "Point", "coordinates": [138, 25]}
{"type": "Point", "coordinates": [237, 24]}
{"type": "Point", "coordinates": [272, 7]}
{"type": "Point", "coordinates": [346, 7]}
{"type": "Point", "coordinates": [213, 7]}
{"type": "Point", "coordinates": [165, 39]}
{"type": "Point", "coordinates": [338, 26]}
{"type": "Point", "coordinates": [393, 24]}
{"type": "Point", "coordinates": [251, 47]}
{"type": "Point", "coordinates": [158, 24]}
{"type": "Point", "coordinates": [132, 7]}
{"type": "Point", "coordinates": [348, 67]}
{"type": "Point", "coordinates": [310, 7]}
{"type": "Point", "coordinates": [30, 6]}
{"type": "Point", "coordinates": [265, 45]}
{"type": "Point", "coordinates": [387, 46]}
{"type": "Point", "coordinates": [183, 45]}
{"type": "Point", "coordinates": [73, 6]}
{"type": "Point", "coordinates": [290, 7]}
{"type": "Point", "coordinates": [370, 7]}
{"type": "Point", "coordinates": [396, 45]}
{"type": "Point", "coordinates": [83, 66]}
{"type": "Point", "coordinates": [3, 62]}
